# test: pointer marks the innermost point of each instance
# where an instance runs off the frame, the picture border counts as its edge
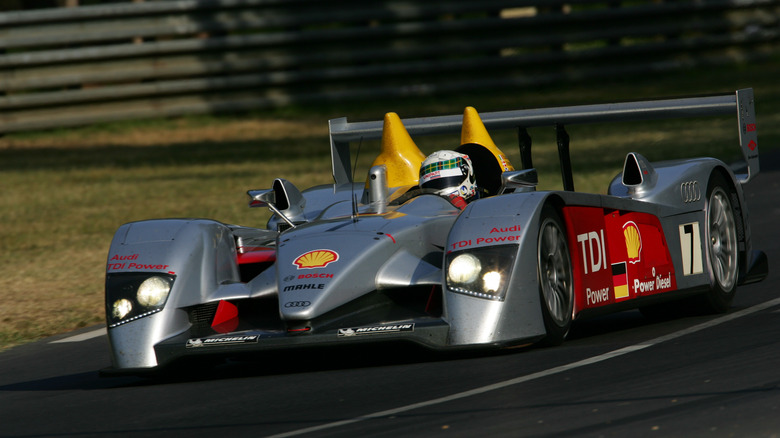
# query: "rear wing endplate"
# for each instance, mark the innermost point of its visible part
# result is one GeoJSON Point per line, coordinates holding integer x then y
{"type": "Point", "coordinates": [741, 104]}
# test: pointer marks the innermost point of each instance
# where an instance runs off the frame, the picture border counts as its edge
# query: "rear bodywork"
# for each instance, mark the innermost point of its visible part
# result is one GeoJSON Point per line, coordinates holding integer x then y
{"type": "Point", "coordinates": [352, 263]}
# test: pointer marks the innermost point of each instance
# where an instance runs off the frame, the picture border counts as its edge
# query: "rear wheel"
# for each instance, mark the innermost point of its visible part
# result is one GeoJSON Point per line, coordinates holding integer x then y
{"type": "Point", "coordinates": [722, 244]}
{"type": "Point", "coordinates": [555, 277]}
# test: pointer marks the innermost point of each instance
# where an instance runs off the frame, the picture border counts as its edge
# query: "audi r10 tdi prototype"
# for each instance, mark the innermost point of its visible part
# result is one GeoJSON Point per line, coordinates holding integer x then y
{"type": "Point", "coordinates": [388, 259]}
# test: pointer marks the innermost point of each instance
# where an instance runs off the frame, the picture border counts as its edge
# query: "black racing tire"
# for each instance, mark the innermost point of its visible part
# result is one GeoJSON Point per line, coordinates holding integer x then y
{"type": "Point", "coordinates": [556, 288]}
{"type": "Point", "coordinates": [722, 241]}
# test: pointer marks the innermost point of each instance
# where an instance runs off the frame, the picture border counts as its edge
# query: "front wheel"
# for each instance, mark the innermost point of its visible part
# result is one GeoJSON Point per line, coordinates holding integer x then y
{"type": "Point", "coordinates": [555, 277]}
{"type": "Point", "coordinates": [722, 245]}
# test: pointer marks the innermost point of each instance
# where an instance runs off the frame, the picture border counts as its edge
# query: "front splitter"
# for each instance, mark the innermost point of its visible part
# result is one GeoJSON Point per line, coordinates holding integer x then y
{"type": "Point", "coordinates": [431, 333]}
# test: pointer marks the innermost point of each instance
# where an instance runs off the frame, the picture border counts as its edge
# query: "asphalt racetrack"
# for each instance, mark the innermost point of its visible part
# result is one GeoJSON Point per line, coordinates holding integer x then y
{"type": "Point", "coordinates": [620, 375]}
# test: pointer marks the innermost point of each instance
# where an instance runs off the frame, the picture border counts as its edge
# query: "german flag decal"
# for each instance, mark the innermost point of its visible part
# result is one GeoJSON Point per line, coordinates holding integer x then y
{"type": "Point", "coordinates": [620, 280]}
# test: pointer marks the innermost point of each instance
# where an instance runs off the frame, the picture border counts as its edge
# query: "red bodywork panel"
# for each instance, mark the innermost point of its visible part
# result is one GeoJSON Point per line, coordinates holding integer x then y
{"type": "Point", "coordinates": [616, 256]}
{"type": "Point", "coordinates": [226, 317]}
{"type": "Point", "coordinates": [257, 255]}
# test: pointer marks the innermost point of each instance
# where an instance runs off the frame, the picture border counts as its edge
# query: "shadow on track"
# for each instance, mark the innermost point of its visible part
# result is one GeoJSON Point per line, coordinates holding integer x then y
{"type": "Point", "coordinates": [311, 360]}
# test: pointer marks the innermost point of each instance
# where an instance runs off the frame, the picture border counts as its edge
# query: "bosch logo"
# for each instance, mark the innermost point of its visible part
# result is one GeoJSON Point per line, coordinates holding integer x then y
{"type": "Point", "coordinates": [302, 276]}
{"type": "Point", "coordinates": [297, 304]}
{"type": "Point", "coordinates": [289, 278]}
{"type": "Point", "coordinates": [690, 191]}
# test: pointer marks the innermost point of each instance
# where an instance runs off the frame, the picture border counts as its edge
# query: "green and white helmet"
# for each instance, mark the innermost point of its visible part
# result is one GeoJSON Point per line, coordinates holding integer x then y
{"type": "Point", "coordinates": [450, 174]}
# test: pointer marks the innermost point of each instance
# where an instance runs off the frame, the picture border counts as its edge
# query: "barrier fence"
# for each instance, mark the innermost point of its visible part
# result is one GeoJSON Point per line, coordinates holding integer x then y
{"type": "Point", "coordinates": [73, 66]}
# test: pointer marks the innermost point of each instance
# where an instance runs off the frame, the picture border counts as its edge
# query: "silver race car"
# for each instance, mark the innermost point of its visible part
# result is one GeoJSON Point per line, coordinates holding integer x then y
{"type": "Point", "coordinates": [454, 250]}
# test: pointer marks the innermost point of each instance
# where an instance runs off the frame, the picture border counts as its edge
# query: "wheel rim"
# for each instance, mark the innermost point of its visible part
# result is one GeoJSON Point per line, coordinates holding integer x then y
{"type": "Point", "coordinates": [555, 272]}
{"type": "Point", "coordinates": [723, 239]}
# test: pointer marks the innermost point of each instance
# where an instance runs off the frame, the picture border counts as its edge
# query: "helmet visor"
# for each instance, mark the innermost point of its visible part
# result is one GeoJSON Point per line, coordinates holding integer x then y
{"type": "Point", "coordinates": [443, 174]}
{"type": "Point", "coordinates": [443, 183]}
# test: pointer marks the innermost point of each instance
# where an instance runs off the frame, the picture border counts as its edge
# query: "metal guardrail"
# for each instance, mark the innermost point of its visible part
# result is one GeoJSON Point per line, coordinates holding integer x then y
{"type": "Point", "coordinates": [74, 66]}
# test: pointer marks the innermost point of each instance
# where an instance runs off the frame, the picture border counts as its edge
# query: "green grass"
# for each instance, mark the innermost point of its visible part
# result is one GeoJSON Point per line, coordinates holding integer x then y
{"type": "Point", "coordinates": [65, 192]}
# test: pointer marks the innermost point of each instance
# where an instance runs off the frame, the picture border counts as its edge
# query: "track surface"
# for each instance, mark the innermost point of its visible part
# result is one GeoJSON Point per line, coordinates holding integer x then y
{"type": "Point", "coordinates": [620, 375]}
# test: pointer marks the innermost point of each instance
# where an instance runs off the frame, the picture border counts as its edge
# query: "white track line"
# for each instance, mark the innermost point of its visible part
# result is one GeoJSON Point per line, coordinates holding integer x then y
{"type": "Point", "coordinates": [82, 337]}
{"type": "Point", "coordinates": [540, 374]}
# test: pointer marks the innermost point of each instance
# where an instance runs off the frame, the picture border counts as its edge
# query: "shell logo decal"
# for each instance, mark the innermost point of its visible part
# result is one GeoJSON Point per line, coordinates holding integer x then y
{"type": "Point", "coordinates": [633, 242]}
{"type": "Point", "coordinates": [319, 258]}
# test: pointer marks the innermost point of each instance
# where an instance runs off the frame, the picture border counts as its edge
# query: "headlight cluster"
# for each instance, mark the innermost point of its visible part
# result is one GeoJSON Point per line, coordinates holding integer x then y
{"type": "Point", "coordinates": [131, 296]}
{"type": "Point", "coordinates": [481, 272]}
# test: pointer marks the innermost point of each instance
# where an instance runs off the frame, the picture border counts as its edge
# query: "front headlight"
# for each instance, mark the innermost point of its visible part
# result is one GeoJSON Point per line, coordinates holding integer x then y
{"type": "Point", "coordinates": [481, 272]}
{"type": "Point", "coordinates": [491, 281]}
{"type": "Point", "coordinates": [153, 291]}
{"type": "Point", "coordinates": [121, 308]}
{"type": "Point", "coordinates": [464, 268]}
{"type": "Point", "coordinates": [131, 296]}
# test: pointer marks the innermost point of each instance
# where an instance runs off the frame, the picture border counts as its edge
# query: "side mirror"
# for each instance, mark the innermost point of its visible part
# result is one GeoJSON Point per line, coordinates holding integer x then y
{"type": "Point", "coordinates": [261, 198]}
{"type": "Point", "coordinates": [519, 181]}
{"type": "Point", "coordinates": [638, 175]}
{"type": "Point", "coordinates": [289, 199]}
{"type": "Point", "coordinates": [284, 199]}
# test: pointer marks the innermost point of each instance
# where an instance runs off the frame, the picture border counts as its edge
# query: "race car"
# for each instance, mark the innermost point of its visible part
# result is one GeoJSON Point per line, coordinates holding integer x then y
{"type": "Point", "coordinates": [395, 258]}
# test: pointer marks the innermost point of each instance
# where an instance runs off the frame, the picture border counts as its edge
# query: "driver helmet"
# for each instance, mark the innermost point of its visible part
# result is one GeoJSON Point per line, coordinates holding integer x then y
{"type": "Point", "coordinates": [450, 173]}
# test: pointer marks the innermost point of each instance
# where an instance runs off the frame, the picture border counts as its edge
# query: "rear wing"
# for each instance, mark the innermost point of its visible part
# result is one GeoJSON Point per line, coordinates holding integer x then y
{"type": "Point", "coordinates": [741, 104]}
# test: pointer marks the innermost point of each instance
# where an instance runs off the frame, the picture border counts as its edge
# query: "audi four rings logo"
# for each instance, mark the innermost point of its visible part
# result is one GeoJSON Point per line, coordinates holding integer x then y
{"type": "Point", "coordinates": [690, 191]}
{"type": "Point", "coordinates": [297, 304]}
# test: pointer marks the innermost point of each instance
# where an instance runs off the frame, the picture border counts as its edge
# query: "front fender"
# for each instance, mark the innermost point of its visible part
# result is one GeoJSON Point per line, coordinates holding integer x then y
{"type": "Point", "coordinates": [199, 254]}
{"type": "Point", "coordinates": [512, 221]}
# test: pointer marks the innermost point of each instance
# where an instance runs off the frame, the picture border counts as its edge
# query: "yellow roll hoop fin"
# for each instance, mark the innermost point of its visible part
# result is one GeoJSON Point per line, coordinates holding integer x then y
{"type": "Point", "coordinates": [474, 131]}
{"type": "Point", "coordinates": [399, 154]}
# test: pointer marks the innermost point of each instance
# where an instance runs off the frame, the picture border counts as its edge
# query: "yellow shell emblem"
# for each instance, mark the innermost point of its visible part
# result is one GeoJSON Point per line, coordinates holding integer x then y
{"type": "Point", "coordinates": [319, 258]}
{"type": "Point", "coordinates": [633, 242]}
